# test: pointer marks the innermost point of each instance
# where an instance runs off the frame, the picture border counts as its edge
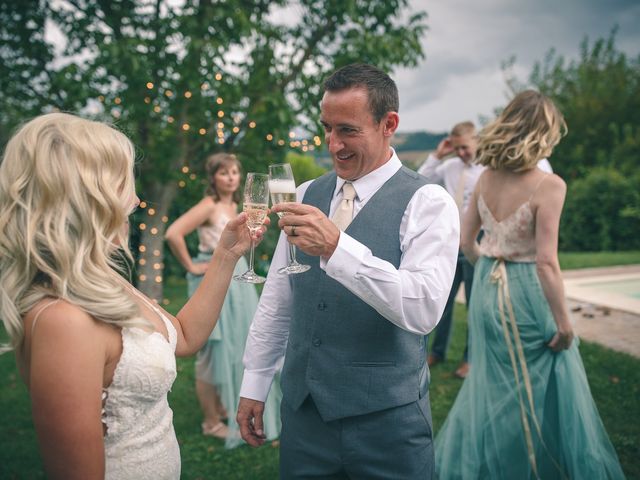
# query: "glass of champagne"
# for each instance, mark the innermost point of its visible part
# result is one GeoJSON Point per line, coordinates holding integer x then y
{"type": "Point", "coordinates": [282, 187]}
{"type": "Point", "coordinates": [255, 204]}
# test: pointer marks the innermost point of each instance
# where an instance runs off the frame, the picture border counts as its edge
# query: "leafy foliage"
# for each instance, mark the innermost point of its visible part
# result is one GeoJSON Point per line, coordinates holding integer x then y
{"type": "Point", "coordinates": [601, 213]}
{"type": "Point", "coordinates": [599, 95]}
{"type": "Point", "coordinates": [187, 79]}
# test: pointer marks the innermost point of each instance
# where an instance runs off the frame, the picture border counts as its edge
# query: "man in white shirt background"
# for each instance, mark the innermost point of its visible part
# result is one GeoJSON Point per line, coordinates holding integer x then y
{"type": "Point", "coordinates": [458, 175]}
{"type": "Point", "coordinates": [355, 380]}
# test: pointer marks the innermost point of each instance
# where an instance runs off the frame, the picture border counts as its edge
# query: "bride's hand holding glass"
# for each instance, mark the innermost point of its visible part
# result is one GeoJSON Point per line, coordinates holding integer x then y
{"type": "Point", "coordinates": [256, 207]}
{"type": "Point", "coordinates": [236, 237]}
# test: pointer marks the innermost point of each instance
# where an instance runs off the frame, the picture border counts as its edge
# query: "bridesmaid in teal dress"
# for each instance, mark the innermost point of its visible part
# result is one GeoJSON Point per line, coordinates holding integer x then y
{"type": "Point", "coordinates": [219, 366]}
{"type": "Point", "coordinates": [525, 411]}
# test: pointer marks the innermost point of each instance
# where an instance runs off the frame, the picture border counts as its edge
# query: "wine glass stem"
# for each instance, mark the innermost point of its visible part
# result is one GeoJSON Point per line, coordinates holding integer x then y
{"type": "Point", "coordinates": [292, 253]}
{"type": "Point", "coordinates": [251, 255]}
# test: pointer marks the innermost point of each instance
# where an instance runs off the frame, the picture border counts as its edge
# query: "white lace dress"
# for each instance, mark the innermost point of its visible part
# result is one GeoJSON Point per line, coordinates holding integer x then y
{"type": "Point", "coordinates": [140, 442]}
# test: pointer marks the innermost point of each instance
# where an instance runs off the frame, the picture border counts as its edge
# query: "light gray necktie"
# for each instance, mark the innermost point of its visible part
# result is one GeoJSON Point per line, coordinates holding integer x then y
{"type": "Point", "coordinates": [344, 213]}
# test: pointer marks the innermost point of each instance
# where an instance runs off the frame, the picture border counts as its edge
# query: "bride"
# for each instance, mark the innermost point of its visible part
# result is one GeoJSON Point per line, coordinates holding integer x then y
{"type": "Point", "coordinates": [97, 355]}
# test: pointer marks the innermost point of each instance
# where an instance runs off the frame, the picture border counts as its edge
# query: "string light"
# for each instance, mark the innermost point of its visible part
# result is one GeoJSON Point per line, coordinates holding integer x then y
{"type": "Point", "coordinates": [142, 248]}
{"type": "Point", "coordinates": [220, 114]}
{"type": "Point", "coordinates": [157, 266]}
{"type": "Point", "coordinates": [292, 134]}
{"type": "Point", "coordinates": [158, 279]}
{"type": "Point", "coordinates": [156, 253]}
{"type": "Point", "coordinates": [166, 301]}
{"type": "Point", "coordinates": [170, 119]}
{"type": "Point", "coordinates": [154, 231]}
{"type": "Point", "coordinates": [221, 141]}
{"type": "Point", "coordinates": [169, 93]}
{"type": "Point", "coordinates": [252, 124]}
{"type": "Point", "coordinates": [235, 130]}
{"type": "Point", "coordinates": [143, 204]}
{"type": "Point", "coordinates": [165, 219]}
{"type": "Point", "coordinates": [185, 169]}
{"type": "Point", "coordinates": [101, 98]}
{"type": "Point", "coordinates": [202, 131]}
{"type": "Point", "coordinates": [151, 212]}
{"type": "Point", "coordinates": [143, 277]}
{"type": "Point", "coordinates": [147, 100]}
{"type": "Point", "coordinates": [220, 125]}
{"type": "Point", "coordinates": [219, 101]}
{"type": "Point", "coordinates": [269, 137]}
{"type": "Point", "coordinates": [218, 76]}
{"type": "Point", "coordinates": [185, 127]}
{"type": "Point", "coordinates": [150, 85]}
{"type": "Point", "coordinates": [156, 109]}
{"type": "Point", "coordinates": [192, 176]}
{"type": "Point", "coordinates": [204, 86]}
{"type": "Point", "coordinates": [187, 94]}
{"type": "Point", "coordinates": [182, 183]}
{"type": "Point", "coordinates": [280, 142]}
{"type": "Point", "coordinates": [117, 101]}
{"type": "Point", "coordinates": [143, 226]}
{"type": "Point", "coordinates": [142, 261]}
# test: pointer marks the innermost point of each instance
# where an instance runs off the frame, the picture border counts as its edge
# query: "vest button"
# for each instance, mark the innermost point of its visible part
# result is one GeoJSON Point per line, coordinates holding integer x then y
{"type": "Point", "coordinates": [316, 342]}
{"type": "Point", "coordinates": [322, 306]}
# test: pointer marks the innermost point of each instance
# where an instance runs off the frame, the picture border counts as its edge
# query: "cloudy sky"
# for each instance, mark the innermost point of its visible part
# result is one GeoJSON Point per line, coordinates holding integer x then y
{"type": "Point", "coordinates": [468, 40]}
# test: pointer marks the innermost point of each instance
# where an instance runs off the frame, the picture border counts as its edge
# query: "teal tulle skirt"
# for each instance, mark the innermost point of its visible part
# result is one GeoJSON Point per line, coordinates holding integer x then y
{"type": "Point", "coordinates": [498, 428]}
{"type": "Point", "coordinates": [219, 362]}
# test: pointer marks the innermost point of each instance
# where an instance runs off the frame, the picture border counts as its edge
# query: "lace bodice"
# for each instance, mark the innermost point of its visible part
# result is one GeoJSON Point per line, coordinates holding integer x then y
{"type": "Point", "coordinates": [140, 442]}
{"type": "Point", "coordinates": [209, 235]}
{"type": "Point", "coordinates": [513, 238]}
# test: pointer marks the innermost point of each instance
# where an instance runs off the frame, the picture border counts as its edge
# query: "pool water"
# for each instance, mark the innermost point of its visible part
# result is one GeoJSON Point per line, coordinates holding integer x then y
{"type": "Point", "coordinates": [628, 287]}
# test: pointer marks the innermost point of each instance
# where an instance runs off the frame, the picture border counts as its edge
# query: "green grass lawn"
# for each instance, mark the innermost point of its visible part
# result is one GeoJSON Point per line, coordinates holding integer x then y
{"type": "Point", "coordinates": [571, 260]}
{"type": "Point", "coordinates": [614, 378]}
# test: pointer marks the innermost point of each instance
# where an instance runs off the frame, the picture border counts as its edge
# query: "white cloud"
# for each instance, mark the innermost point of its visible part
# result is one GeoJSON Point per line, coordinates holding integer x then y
{"type": "Point", "coordinates": [467, 42]}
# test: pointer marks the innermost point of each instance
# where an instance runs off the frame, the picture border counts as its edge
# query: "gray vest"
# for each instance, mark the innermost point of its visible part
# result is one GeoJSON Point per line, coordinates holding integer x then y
{"type": "Point", "coordinates": [347, 356]}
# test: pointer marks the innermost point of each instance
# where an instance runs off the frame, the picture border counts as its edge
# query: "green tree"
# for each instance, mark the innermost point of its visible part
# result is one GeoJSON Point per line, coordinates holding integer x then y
{"type": "Point", "coordinates": [599, 95]}
{"type": "Point", "coordinates": [185, 80]}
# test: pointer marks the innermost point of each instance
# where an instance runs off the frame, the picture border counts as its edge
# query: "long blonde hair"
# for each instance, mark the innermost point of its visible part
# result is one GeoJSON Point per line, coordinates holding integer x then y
{"type": "Point", "coordinates": [65, 187]}
{"type": "Point", "coordinates": [524, 133]}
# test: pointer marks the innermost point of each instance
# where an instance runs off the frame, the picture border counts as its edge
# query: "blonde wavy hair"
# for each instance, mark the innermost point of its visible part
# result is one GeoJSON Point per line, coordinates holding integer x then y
{"type": "Point", "coordinates": [66, 188]}
{"type": "Point", "coordinates": [524, 133]}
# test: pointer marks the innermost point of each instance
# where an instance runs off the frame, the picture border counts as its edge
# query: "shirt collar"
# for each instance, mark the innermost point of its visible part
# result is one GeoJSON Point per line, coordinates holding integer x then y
{"type": "Point", "coordinates": [371, 182]}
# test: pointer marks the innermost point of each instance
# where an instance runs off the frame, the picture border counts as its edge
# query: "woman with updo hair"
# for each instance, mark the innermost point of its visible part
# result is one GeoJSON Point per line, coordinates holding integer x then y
{"type": "Point", "coordinates": [218, 367]}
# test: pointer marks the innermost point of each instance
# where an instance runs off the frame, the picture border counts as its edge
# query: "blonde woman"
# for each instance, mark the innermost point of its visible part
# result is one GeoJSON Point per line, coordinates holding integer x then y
{"type": "Point", "coordinates": [525, 410]}
{"type": "Point", "coordinates": [219, 363]}
{"type": "Point", "coordinates": [97, 355]}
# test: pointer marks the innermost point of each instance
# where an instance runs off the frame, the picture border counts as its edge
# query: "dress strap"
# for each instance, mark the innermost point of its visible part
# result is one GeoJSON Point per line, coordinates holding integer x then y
{"type": "Point", "coordinates": [544, 177]}
{"type": "Point", "coordinates": [42, 309]}
{"type": "Point", "coordinates": [167, 323]}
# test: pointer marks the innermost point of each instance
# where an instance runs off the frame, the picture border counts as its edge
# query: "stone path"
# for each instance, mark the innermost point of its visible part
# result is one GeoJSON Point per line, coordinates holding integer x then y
{"type": "Point", "coordinates": [597, 319]}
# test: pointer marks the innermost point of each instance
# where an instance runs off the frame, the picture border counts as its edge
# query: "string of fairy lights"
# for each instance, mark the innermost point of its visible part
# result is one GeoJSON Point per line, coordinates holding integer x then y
{"type": "Point", "coordinates": [154, 258]}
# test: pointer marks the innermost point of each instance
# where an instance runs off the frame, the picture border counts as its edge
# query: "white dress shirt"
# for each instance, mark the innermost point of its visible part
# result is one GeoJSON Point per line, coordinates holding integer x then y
{"type": "Point", "coordinates": [412, 296]}
{"type": "Point", "coordinates": [447, 173]}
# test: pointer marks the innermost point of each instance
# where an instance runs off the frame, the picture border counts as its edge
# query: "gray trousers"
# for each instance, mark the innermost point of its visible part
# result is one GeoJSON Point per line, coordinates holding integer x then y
{"type": "Point", "coordinates": [391, 444]}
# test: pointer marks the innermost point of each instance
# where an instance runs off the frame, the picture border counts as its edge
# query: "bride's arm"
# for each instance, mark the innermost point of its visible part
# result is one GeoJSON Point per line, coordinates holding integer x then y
{"type": "Point", "coordinates": [195, 321]}
{"type": "Point", "coordinates": [66, 369]}
{"type": "Point", "coordinates": [549, 200]}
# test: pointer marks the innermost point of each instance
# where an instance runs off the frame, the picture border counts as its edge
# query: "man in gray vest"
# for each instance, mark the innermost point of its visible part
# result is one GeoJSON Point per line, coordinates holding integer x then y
{"type": "Point", "coordinates": [382, 245]}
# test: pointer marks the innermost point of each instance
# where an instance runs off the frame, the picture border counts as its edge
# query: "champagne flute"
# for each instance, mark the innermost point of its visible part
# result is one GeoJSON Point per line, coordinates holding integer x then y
{"type": "Point", "coordinates": [255, 204]}
{"type": "Point", "coordinates": [282, 187]}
